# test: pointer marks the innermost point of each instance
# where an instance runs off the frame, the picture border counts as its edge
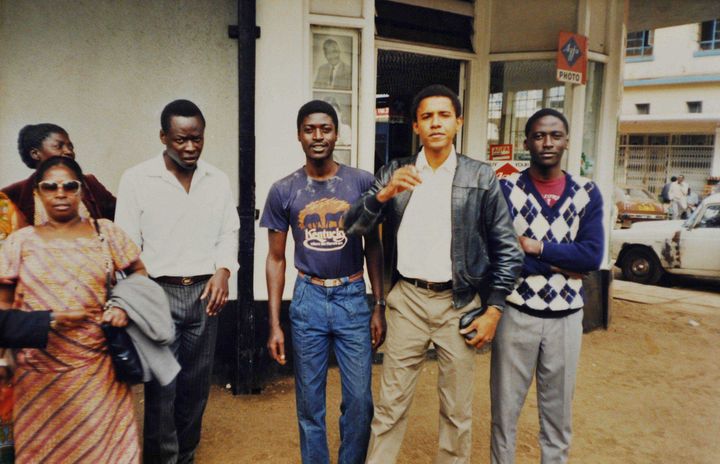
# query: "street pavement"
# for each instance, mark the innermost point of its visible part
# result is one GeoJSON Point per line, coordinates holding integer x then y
{"type": "Point", "coordinates": [689, 300]}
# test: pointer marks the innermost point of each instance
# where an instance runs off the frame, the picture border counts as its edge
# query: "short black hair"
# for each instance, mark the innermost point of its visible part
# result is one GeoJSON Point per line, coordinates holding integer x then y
{"type": "Point", "coordinates": [53, 161]}
{"type": "Point", "coordinates": [673, 179]}
{"type": "Point", "coordinates": [184, 108]}
{"type": "Point", "coordinates": [436, 90]}
{"type": "Point", "coordinates": [542, 113]}
{"type": "Point", "coordinates": [32, 136]}
{"type": "Point", "coordinates": [316, 106]}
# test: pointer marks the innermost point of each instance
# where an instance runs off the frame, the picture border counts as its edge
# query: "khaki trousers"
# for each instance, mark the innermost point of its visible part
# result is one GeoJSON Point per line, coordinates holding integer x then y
{"type": "Point", "coordinates": [415, 318]}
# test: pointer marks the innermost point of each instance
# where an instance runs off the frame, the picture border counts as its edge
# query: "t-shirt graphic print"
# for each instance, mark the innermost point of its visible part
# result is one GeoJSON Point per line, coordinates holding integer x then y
{"type": "Point", "coordinates": [313, 209]}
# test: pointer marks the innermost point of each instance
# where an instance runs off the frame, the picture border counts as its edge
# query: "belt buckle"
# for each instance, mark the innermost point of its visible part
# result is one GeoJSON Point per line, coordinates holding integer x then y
{"type": "Point", "coordinates": [186, 281]}
{"type": "Point", "coordinates": [331, 282]}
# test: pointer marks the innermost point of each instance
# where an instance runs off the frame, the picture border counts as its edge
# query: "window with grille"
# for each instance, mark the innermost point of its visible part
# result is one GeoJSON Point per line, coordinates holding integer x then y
{"type": "Point", "coordinates": [639, 43]}
{"type": "Point", "coordinates": [710, 35]}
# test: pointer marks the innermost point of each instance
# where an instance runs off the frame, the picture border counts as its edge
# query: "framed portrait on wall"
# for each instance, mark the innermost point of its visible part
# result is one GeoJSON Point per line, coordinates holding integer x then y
{"type": "Point", "coordinates": [333, 61]}
{"type": "Point", "coordinates": [334, 70]}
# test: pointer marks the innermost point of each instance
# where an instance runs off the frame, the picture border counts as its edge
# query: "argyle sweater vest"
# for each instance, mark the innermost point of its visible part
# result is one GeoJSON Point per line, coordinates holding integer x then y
{"type": "Point", "coordinates": [540, 289]}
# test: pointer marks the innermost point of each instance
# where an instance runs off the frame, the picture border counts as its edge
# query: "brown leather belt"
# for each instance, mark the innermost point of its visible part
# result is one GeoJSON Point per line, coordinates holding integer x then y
{"type": "Point", "coordinates": [434, 286]}
{"type": "Point", "coordinates": [184, 281]}
{"type": "Point", "coordinates": [331, 282]}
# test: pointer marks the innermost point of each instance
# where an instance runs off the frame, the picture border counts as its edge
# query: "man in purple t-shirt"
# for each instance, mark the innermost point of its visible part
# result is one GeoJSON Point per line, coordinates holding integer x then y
{"type": "Point", "coordinates": [329, 308]}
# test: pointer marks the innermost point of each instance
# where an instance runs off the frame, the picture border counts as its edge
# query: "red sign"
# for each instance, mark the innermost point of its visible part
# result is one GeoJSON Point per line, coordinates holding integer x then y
{"type": "Point", "coordinates": [501, 152]}
{"type": "Point", "coordinates": [504, 169]}
{"type": "Point", "coordinates": [572, 58]}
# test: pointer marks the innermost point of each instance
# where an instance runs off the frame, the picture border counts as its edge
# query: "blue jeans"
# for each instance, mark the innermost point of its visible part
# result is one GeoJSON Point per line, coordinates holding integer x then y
{"type": "Point", "coordinates": [338, 318]}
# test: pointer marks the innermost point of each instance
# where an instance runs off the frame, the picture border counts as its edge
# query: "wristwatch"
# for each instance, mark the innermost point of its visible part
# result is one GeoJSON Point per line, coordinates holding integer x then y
{"type": "Point", "coordinates": [53, 321]}
{"type": "Point", "coordinates": [380, 302]}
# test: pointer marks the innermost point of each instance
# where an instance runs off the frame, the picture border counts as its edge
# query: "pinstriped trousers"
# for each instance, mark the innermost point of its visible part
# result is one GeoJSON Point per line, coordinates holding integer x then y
{"type": "Point", "coordinates": [173, 413]}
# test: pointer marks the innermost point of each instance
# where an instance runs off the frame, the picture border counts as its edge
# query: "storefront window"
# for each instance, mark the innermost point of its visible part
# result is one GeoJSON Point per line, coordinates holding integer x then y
{"type": "Point", "coordinates": [334, 80]}
{"type": "Point", "coordinates": [517, 90]}
{"type": "Point", "coordinates": [520, 88]}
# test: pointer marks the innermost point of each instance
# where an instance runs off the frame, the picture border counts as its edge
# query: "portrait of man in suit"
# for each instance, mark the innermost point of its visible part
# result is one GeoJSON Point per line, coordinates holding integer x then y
{"type": "Point", "coordinates": [334, 73]}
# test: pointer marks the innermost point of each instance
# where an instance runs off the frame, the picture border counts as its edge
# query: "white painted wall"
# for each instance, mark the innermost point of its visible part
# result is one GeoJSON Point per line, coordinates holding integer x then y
{"type": "Point", "coordinates": [672, 99]}
{"type": "Point", "coordinates": [104, 69]}
{"type": "Point", "coordinates": [281, 88]}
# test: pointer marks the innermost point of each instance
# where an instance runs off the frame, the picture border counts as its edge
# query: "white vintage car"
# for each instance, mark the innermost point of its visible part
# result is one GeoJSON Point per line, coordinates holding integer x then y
{"type": "Point", "coordinates": [691, 247]}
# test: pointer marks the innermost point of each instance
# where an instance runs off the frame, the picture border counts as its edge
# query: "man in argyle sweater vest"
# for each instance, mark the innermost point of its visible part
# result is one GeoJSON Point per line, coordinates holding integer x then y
{"type": "Point", "coordinates": [558, 219]}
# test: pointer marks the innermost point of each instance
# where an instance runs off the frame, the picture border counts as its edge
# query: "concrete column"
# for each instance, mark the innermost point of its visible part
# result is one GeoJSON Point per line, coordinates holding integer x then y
{"type": "Point", "coordinates": [368, 85]}
{"type": "Point", "coordinates": [577, 111]}
{"type": "Point", "coordinates": [610, 110]}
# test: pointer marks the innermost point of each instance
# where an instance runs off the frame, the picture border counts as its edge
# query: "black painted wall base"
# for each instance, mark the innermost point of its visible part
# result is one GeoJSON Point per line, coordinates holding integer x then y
{"type": "Point", "coordinates": [245, 349]}
{"type": "Point", "coordinates": [598, 301]}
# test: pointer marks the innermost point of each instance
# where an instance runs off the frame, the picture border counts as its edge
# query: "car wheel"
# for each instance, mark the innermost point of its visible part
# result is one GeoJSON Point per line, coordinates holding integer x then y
{"type": "Point", "coordinates": [642, 266]}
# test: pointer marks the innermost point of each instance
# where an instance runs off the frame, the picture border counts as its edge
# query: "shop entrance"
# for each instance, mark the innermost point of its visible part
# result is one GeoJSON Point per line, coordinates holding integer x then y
{"type": "Point", "coordinates": [400, 75]}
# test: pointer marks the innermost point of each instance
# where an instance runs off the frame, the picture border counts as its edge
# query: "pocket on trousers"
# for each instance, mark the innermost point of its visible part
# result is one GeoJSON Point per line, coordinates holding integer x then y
{"type": "Point", "coordinates": [390, 299]}
{"type": "Point", "coordinates": [357, 302]}
{"type": "Point", "coordinates": [297, 312]}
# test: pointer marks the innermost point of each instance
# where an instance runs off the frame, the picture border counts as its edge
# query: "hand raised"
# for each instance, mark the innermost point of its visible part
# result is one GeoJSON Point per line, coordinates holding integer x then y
{"type": "Point", "coordinates": [405, 178]}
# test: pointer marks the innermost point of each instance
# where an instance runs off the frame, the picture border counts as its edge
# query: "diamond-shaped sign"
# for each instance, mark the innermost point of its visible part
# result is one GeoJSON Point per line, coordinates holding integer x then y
{"type": "Point", "coordinates": [571, 61]}
{"type": "Point", "coordinates": [571, 51]}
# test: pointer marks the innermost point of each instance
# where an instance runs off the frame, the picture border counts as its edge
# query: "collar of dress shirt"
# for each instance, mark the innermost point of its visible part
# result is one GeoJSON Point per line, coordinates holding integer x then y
{"type": "Point", "coordinates": [448, 165]}
{"type": "Point", "coordinates": [158, 169]}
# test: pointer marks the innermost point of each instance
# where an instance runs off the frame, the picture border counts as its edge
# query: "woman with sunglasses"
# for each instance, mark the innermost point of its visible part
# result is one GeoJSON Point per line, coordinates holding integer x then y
{"type": "Point", "coordinates": [36, 143]}
{"type": "Point", "coordinates": [69, 406]}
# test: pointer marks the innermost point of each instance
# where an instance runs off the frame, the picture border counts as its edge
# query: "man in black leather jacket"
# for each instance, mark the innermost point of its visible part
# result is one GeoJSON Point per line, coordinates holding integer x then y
{"type": "Point", "coordinates": [455, 250]}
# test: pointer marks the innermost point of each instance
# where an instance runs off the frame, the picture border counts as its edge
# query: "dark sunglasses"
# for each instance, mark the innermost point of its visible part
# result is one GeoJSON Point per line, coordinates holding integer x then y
{"type": "Point", "coordinates": [71, 186]}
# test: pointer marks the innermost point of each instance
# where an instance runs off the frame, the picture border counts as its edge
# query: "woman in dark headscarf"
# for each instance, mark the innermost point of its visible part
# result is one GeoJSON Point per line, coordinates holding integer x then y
{"type": "Point", "coordinates": [36, 143]}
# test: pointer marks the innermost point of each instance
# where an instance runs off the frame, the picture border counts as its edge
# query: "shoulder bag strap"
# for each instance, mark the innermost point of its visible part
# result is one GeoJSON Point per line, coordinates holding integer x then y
{"type": "Point", "coordinates": [108, 261]}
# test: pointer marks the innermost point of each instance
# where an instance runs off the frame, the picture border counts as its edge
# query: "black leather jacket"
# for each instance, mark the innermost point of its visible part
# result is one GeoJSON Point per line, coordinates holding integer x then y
{"type": "Point", "coordinates": [486, 257]}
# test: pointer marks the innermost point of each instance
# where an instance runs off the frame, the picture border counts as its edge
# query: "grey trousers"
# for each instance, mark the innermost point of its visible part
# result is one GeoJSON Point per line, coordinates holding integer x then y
{"type": "Point", "coordinates": [173, 413]}
{"type": "Point", "coordinates": [549, 348]}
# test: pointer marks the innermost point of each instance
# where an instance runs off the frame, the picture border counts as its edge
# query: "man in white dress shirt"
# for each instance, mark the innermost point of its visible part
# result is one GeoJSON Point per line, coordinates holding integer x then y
{"type": "Point", "coordinates": [455, 251]}
{"type": "Point", "coordinates": [181, 212]}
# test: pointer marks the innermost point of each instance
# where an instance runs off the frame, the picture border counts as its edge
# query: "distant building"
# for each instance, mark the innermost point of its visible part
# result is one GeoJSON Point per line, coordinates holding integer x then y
{"type": "Point", "coordinates": [670, 117]}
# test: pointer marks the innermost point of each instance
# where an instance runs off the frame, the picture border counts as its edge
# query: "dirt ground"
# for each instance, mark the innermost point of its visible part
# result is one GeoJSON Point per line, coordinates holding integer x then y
{"type": "Point", "coordinates": [648, 391]}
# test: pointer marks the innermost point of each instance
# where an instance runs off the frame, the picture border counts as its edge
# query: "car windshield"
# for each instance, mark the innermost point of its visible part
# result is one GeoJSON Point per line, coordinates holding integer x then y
{"type": "Point", "coordinates": [691, 219]}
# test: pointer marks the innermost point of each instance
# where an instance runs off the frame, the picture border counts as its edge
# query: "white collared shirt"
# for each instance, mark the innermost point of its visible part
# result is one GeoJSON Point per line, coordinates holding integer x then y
{"type": "Point", "coordinates": [425, 232]}
{"type": "Point", "coordinates": [180, 233]}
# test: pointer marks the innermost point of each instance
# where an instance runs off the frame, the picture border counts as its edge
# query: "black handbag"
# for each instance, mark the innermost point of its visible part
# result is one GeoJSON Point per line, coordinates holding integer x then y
{"type": "Point", "coordinates": [123, 354]}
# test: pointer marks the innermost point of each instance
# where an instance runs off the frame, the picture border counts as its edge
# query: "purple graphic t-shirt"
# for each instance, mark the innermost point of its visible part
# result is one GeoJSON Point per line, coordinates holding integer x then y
{"type": "Point", "coordinates": [313, 209]}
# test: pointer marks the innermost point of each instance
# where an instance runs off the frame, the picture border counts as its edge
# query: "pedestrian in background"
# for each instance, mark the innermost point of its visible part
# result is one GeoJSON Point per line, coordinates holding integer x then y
{"type": "Point", "coordinates": [678, 196]}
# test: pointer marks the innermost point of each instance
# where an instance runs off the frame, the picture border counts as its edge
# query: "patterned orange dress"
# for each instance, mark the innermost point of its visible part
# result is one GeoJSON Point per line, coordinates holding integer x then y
{"type": "Point", "coordinates": [69, 407]}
